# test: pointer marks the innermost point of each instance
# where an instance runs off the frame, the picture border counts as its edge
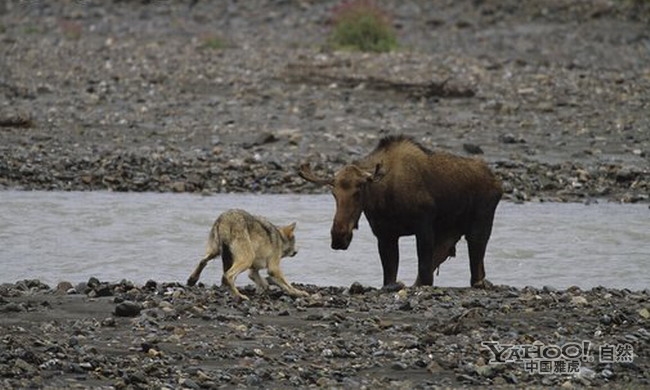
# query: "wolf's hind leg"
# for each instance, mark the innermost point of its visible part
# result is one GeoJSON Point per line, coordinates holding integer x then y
{"type": "Point", "coordinates": [194, 277]}
{"type": "Point", "coordinates": [254, 275]}
{"type": "Point", "coordinates": [243, 257]}
{"type": "Point", "coordinates": [231, 275]}
{"type": "Point", "coordinates": [212, 250]}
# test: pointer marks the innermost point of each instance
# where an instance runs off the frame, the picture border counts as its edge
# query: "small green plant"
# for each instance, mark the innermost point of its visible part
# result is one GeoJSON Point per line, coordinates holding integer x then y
{"type": "Point", "coordinates": [212, 42]}
{"type": "Point", "coordinates": [362, 25]}
{"type": "Point", "coordinates": [31, 29]}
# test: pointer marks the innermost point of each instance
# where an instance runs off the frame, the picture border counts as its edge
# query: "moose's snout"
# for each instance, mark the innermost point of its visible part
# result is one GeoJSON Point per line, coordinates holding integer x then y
{"type": "Point", "coordinates": [341, 240]}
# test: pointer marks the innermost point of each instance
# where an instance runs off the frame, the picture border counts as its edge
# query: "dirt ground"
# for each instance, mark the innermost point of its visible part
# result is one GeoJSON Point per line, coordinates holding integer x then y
{"type": "Point", "coordinates": [231, 96]}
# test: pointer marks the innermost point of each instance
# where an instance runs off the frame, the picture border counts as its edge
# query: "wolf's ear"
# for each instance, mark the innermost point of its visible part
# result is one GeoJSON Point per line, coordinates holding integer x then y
{"type": "Point", "coordinates": [288, 230]}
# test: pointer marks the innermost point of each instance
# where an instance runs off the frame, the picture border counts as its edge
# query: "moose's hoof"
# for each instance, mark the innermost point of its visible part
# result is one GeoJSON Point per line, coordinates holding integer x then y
{"type": "Point", "coordinates": [482, 284]}
{"type": "Point", "coordinates": [393, 287]}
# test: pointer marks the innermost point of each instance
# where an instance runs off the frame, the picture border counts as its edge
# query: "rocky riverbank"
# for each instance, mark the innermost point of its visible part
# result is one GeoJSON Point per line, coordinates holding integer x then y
{"type": "Point", "coordinates": [166, 335]}
{"type": "Point", "coordinates": [232, 97]}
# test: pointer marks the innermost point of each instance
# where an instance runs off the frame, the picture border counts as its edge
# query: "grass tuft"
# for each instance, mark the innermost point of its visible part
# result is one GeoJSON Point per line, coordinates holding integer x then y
{"type": "Point", "coordinates": [361, 25]}
{"type": "Point", "coordinates": [212, 42]}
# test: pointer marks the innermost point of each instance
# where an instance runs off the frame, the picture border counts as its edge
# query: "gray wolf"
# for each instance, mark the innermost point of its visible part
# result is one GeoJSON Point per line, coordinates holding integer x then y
{"type": "Point", "coordinates": [405, 189]}
{"type": "Point", "coordinates": [248, 242]}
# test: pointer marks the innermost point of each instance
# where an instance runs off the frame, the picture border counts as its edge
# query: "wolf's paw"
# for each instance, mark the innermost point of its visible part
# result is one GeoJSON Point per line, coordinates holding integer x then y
{"type": "Point", "coordinates": [241, 298]}
{"type": "Point", "coordinates": [300, 293]}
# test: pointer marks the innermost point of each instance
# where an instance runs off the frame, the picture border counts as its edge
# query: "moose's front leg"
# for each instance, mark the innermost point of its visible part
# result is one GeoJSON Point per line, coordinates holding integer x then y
{"type": "Point", "coordinates": [389, 255]}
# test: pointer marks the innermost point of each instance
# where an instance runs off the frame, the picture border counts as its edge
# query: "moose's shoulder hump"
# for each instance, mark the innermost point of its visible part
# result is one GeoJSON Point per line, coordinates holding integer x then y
{"type": "Point", "coordinates": [394, 140]}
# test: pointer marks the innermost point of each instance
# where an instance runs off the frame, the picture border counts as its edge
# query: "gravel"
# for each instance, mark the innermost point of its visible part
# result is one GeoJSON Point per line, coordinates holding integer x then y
{"type": "Point", "coordinates": [166, 335]}
{"type": "Point", "coordinates": [232, 96]}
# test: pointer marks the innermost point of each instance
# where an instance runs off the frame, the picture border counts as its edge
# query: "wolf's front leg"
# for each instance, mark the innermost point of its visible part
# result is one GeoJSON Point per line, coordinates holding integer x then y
{"type": "Point", "coordinates": [279, 279]}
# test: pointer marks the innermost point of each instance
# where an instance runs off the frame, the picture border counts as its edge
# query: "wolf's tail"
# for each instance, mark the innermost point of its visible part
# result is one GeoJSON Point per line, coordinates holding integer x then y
{"type": "Point", "coordinates": [213, 246]}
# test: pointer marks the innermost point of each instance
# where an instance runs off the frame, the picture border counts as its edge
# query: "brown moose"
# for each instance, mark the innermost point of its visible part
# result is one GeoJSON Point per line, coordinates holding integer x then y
{"type": "Point", "coordinates": [405, 189]}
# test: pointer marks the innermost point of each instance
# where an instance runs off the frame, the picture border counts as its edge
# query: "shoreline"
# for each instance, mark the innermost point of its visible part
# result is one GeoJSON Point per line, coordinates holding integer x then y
{"type": "Point", "coordinates": [164, 335]}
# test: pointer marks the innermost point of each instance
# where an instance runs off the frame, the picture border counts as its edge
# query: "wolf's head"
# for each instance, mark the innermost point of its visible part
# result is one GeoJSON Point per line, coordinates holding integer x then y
{"type": "Point", "coordinates": [289, 240]}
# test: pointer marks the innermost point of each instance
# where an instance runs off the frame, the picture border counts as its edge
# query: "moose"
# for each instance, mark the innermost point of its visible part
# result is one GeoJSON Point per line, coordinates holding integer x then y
{"type": "Point", "coordinates": [405, 189]}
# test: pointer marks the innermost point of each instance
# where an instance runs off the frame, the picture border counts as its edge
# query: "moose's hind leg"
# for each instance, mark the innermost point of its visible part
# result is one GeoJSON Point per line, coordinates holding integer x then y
{"type": "Point", "coordinates": [425, 251]}
{"type": "Point", "coordinates": [477, 240]}
{"type": "Point", "coordinates": [443, 250]}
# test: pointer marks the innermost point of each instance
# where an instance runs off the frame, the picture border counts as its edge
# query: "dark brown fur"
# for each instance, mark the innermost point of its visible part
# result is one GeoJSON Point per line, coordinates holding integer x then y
{"type": "Point", "coordinates": [405, 189]}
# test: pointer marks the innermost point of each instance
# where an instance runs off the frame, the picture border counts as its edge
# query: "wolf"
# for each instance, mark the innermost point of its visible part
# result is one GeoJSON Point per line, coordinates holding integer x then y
{"type": "Point", "coordinates": [249, 242]}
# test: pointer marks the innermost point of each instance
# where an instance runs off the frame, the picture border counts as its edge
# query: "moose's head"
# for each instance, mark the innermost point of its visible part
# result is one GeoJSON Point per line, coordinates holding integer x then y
{"type": "Point", "coordinates": [349, 186]}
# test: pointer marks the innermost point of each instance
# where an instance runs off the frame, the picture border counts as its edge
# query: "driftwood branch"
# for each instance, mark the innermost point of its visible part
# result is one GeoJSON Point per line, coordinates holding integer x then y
{"type": "Point", "coordinates": [318, 75]}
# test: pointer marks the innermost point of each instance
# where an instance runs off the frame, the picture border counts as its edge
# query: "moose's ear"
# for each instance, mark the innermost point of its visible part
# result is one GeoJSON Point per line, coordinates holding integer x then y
{"type": "Point", "coordinates": [378, 174]}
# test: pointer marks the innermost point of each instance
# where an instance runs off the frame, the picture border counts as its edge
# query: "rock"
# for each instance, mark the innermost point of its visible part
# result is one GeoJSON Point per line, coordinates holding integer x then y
{"type": "Point", "coordinates": [178, 186]}
{"type": "Point", "coordinates": [579, 300]}
{"type": "Point", "coordinates": [63, 288]}
{"type": "Point", "coordinates": [12, 308]}
{"type": "Point", "coordinates": [509, 138]}
{"type": "Point", "coordinates": [82, 288]}
{"type": "Point", "coordinates": [128, 309]}
{"type": "Point", "coordinates": [188, 383]}
{"type": "Point", "coordinates": [549, 289]}
{"type": "Point", "coordinates": [472, 148]}
{"type": "Point", "coordinates": [93, 283]}
{"type": "Point", "coordinates": [485, 371]}
{"type": "Point", "coordinates": [356, 288]}
{"type": "Point", "coordinates": [102, 290]}
{"type": "Point", "coordinates": [607, 374]}
{"type": "Point", "coordinates": [586, 373]}
{"type": "Point", "coordinates": [625, 174]}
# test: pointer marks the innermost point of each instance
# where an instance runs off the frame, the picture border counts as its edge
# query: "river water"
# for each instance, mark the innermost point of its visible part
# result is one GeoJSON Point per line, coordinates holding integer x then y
{"type": "Point", "coordinates": [72, 236]}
